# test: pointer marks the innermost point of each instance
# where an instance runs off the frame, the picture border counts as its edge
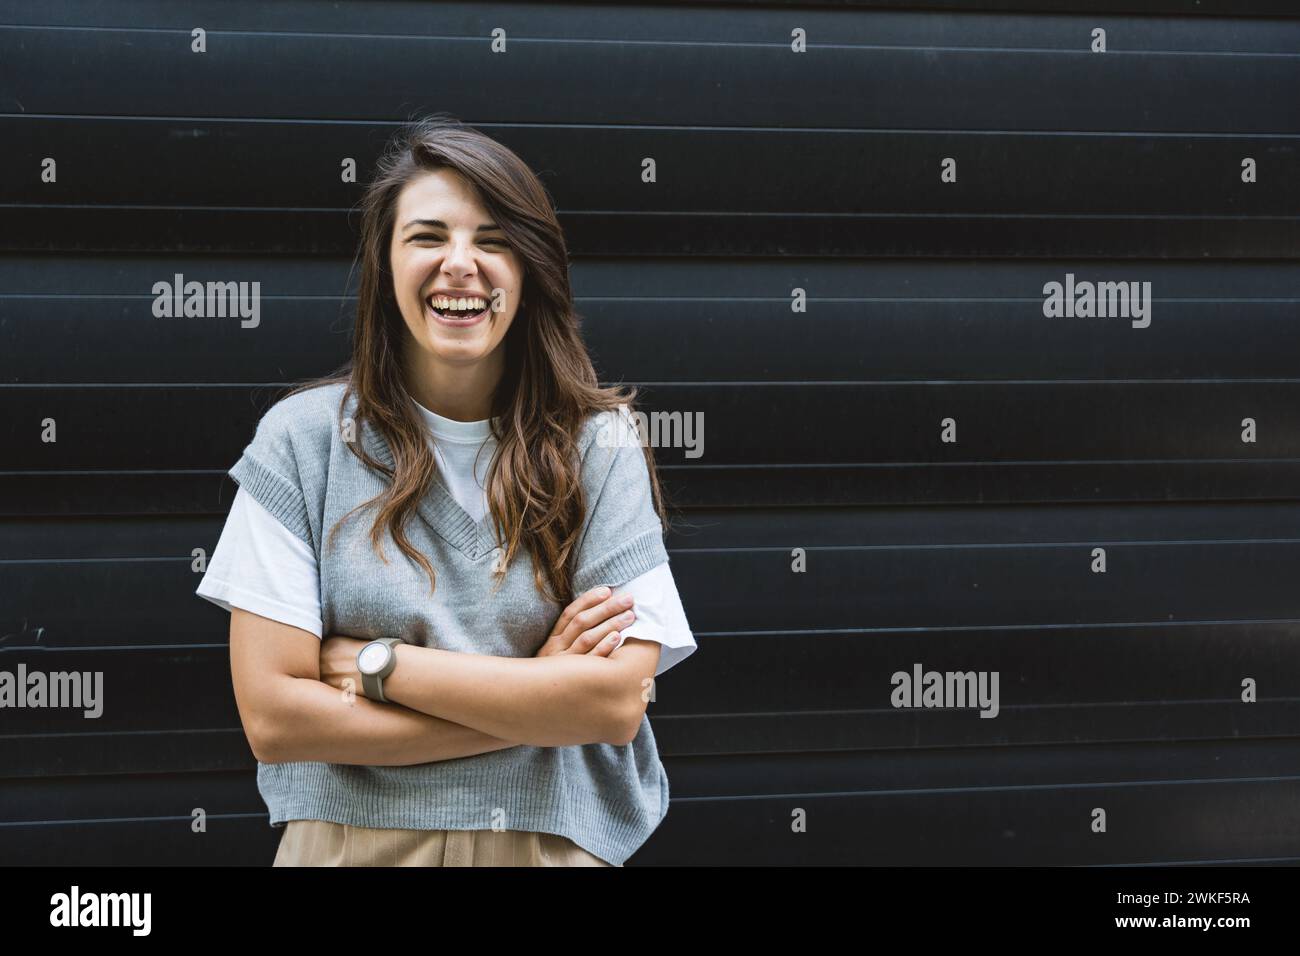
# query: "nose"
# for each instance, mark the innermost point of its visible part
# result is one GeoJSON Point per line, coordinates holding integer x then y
{"type": "Point", "coordinates": [459, 261]}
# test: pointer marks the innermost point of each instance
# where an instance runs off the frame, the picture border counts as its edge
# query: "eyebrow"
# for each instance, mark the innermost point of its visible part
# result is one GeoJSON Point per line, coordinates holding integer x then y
{"type": "Point", "coordinates": [439, 224]}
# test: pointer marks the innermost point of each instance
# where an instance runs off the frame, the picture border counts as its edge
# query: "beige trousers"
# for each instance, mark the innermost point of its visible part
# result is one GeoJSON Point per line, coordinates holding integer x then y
{"type": "Point", "coordinates": [322, 843]}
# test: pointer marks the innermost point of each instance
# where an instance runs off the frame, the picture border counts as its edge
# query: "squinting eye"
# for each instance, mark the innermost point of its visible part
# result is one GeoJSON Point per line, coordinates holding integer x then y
{"type": "Point", "coordinates": [486, 242]}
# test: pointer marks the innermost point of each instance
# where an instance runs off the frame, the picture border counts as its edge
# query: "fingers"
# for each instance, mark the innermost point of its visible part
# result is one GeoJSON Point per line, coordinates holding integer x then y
{"type": "Point", "coordinates": [598, 617]}
{"type": "Point", "coordinates": [607, 646]}
{"type": "Point", "coordinates": [580, 603]}
{"type": "Point", "coordinates": [596, 637]}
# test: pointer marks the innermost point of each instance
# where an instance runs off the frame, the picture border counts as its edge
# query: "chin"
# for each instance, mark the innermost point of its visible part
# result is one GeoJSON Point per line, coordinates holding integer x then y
{"type": "Point", "coordinates": [456, 353]}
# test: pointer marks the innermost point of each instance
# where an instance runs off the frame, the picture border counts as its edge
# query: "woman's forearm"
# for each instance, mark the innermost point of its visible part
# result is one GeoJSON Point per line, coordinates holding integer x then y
{"type": "Point", "coordinates": [314, 721]}
{"type": "Point", "coordinates": [554, 701]}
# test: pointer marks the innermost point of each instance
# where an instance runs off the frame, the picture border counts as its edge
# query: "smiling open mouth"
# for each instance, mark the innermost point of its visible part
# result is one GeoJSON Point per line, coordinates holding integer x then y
{"type": "Point", "coordinates": [460, 311]}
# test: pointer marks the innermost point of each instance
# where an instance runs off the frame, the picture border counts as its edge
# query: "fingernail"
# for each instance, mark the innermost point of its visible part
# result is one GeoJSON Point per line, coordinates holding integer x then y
{"type": "Point", "coordinates": [613, 638]}
{"type": "Point", "coordinates": [626, 616]}
{"type": "Point", "coordinates": [602, 591]}
{"type": "Point", "coordinates": [625, 600]}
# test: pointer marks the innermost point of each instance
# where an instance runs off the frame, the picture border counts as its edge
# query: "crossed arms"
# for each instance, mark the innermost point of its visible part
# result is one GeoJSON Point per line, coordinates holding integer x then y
{"type": "Point", "coordinates": [296, 703]}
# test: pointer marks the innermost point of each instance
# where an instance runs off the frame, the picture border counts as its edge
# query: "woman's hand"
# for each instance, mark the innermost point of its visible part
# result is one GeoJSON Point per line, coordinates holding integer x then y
{"type": "Point", "coordinates": [338, 662]}
{"type": "Point", "coordinates": [590, 625]}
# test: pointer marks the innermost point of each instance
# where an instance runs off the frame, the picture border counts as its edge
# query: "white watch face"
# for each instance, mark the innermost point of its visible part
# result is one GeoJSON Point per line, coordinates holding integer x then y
{"type": "Point", "coordinates": [372, 658]}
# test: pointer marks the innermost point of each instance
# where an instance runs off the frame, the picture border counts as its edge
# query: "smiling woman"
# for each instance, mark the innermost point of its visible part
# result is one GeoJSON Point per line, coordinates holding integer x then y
{"type": "Point", "coordinates": [447, 264]}
{"type": "Point", "coordinates": [498, 714]}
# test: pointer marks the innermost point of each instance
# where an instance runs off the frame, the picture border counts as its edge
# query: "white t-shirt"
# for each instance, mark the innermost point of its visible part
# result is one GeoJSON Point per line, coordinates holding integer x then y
{"type": "Point", "coordinates": [261, 566]}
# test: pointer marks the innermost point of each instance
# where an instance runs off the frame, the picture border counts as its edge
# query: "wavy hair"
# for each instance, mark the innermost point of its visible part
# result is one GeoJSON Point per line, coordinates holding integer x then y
{"type": "Point", "coordinates": [549, 384]}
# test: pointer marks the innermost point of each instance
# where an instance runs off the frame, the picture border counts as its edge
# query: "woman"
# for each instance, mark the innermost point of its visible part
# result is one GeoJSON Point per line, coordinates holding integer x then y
{"type": "Point", "coordinates": [494, 719]}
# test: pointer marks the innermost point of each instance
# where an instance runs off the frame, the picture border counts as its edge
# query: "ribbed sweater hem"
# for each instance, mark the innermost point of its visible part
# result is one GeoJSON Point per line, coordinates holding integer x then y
{"type": "Point", "coordinates": [607, 826]}
{"type": "Point", "coordinates": [276, 493]}
{"type": "Point", "coordinates": [630, 559]}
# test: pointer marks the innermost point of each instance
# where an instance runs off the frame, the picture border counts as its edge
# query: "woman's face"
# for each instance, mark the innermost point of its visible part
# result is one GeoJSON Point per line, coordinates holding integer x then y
{"type": "Point", "coordinates": [444, 241]}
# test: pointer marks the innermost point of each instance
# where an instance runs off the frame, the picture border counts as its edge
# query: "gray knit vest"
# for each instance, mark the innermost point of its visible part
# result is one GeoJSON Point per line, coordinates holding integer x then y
{"type": "Point", "coordinates": [608, 799]}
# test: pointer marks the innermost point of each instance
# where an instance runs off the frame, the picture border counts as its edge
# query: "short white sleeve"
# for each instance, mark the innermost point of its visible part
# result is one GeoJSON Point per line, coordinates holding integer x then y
{"type": "Point", "coordinates": [261, 566]}
{"type": "Point", "coordinates": [659, 615]}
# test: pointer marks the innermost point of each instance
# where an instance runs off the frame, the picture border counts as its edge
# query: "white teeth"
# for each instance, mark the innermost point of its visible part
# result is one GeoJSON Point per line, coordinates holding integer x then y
{"type": "Point", "coordinates": [463, 304]}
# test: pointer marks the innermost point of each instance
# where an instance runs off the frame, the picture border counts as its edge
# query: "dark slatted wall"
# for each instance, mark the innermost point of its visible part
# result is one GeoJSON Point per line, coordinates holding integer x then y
{"type": "Point", "coordinates": [776, 171]}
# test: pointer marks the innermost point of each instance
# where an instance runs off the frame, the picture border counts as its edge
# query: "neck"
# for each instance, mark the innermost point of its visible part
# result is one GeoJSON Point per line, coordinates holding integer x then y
{"type": "Point", "coordinates": [462, 393]}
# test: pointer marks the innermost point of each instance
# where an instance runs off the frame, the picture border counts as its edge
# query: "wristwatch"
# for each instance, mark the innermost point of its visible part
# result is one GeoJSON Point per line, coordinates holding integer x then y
{"type": "Point", "coordinates": [376, 661]}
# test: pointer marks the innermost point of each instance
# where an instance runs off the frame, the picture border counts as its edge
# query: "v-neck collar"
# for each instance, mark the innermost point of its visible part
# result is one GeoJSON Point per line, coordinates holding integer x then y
{"type": "Point", "coordinates": [439, 508]}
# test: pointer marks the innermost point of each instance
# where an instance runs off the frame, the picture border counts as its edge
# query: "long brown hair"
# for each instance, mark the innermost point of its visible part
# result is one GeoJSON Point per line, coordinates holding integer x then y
{"type": "Point", "coordinates": [547, 389]}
